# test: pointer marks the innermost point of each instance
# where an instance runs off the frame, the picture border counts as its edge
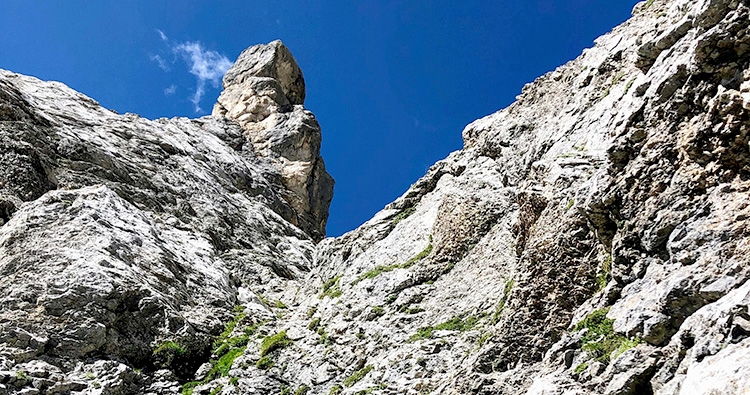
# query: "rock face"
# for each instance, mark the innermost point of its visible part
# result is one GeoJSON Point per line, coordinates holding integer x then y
{"type": "Point", "coordinates": [264, 92]}
{"type": "Point", "coordinates": [121, 234]}
{"type": "Point", "coordinates": [592, 238]}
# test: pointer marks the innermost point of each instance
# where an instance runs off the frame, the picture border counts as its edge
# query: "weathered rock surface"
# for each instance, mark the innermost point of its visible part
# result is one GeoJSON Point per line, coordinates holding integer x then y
{"type": "Point", "coordinates": [121, 234]}
{"type": "Point", "coordinates": [592, 238]}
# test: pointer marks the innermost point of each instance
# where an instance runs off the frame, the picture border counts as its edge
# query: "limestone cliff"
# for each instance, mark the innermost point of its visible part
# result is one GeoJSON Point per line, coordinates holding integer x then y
{"type": "Point", "coordinates": [592, 238]}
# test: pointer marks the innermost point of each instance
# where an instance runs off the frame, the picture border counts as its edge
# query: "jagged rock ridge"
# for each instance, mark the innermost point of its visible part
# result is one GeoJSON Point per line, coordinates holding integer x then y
{"type": "Point", "coordinates": [592, 238]}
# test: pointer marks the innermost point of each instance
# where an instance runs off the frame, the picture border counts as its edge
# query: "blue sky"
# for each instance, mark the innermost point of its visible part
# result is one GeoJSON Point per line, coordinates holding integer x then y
{"type": "Point", "coordinates": [392, 83]}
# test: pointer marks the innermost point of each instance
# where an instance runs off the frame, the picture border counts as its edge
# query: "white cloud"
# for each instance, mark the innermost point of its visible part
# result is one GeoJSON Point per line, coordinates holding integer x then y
{"type": "Point", "coordinates": [205, 65]}
{"type": "Point", "coordinates": [171, 90]}
{"type": "Point", "coordinates": [160, 61]}
{"type": "Point", "coordinates": [162, 35]}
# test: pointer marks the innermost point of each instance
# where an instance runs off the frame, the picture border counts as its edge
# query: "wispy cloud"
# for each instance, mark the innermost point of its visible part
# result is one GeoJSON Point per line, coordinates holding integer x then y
{"type": "Point", "coordinates": [206, 65]}
{"type": "Point", "coordinates": [160, 61]}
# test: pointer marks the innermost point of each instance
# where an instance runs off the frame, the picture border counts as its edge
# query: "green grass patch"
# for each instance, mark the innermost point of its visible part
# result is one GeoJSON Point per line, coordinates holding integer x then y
{"type": "Point", "coordinates": [603, 277]}
{"type": "Point", "coordinates": [264, 363]}
{"type": "Point", "coordinates": [406, 213]}
{"type": "Point", "coordinates": [625, 345]}
{"type": "Point", "coordinates": [274, 342]}
{"type": "Point", "coordinates": [406, 309]}
{"type": "Point", "coordinates": [336, 389]}
{"type": "Point", "coordinates": [313, 325]}
{"type": "Point", "coordinates": [302, 390]}
{"type": "Point", "coordinates": [454, 324]}
{"type": "Point", "coordinates": [601, 339]}
{"type": "Point", "coordinates": [222, 366]}
{"type": "Point", "coordinates": [570, 204]}
{"type": "Point", "coordinates": [331, 288]}
{"type": "Point", "coordinates": [618, 77]}
{"type": "Point", "coordinates": [629, 84]}
{"type": "Point", "coordinates": [227, 351]}
{"type": "Point", "coordinates": [378, 270]}
{"type": "Point", "coordinates": [377, 312]}
{"type": "Point", "coordinates": [483, 339]}
{"type": "Point", "coordinates": [501, 305]}
{"type": "Point", "coordinates": [229, 327]}
{"type": "Point", "coordinates": [166, 353]}
{"type": "Point", "coordinates": [580, 368]}
{"type": "Point", "coordinates": [357, 376]}
{"type": "Point", "coordinates": [188, 388]}
{"type": "Point", "coordinates": [235, 381]}
{"type": "Point", "coordinates": [324, 338]}
{"type": "Point", "coordinates": [217, 390]}
{"type": "Point", "coordinates": [649, 3]}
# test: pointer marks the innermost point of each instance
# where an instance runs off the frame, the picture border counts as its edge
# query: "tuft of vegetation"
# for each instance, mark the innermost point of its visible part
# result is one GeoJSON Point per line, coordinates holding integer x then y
{"type": "Point", "coordinates": [629, 85]}
{"type": "Point", "coordinates": [357, 376]}
{"type": "Point", "coordinates": [377, 312]}
{"type": "Point", "coordinates": [235, 381]}
{"type": "Point", "coordinates": [416, 258]}
{"type": "Point", "coordinates": [324, 339]}
{"type": "Point", "coordinates": [274, 342]}
{"type": "Point", "coordinates": [618, 77]}
{"type": "Point", "coordinates": [313, 325]}
{"type": "Point", "coordinates": [378, 270]}
{"type": "Point", "coordinates": [625, 345]}
{"type": "Point", "coordinates": [22, 375]}
{"type": "Point", "coordinates": [454, 324]}
{"type": "Point", "coordinates": [217, 390]}
{"type": "Point", "coordinates": [311, 312]}
{"type": "Point", "coordinates": [603, 277]}
{"type": "Point", "coordinates": [279, 304]}
{"type": "Point", "coordinates": [264, 363]}
{"type": "Point", "coordinates": [222, 366]}
{"type": "Point", "coordinates": [406, 213]}
{"type": "Point", "coordinates": [189, 387]}
{"type": "Point", "coordinates": [229, 327]}
{"type": "Point", "coordinates": [302, 390]}
{"type": "Point", "coordinates": [601, 339]}
{"type": "Point", "coordinates": [166, 353]}
{"type": "Point", "coordinates": [407, 309]}
{"type": "Point", "coordinates": [336, 389]}
{"type": "Point", "coordinates": [580, 368]}
{"type": "Point", "coordinates": [226, 348]}
{"type": "Point", "coordinates": [483, 339]}
{"type": "Point", "coordinates": [649, 3]}
{"type": "Point", "coordinates": [570, 204]}
{"type": "Point", "coordinates": [500, 306]}
{"type": "Point", "coordinates": [331, 288]}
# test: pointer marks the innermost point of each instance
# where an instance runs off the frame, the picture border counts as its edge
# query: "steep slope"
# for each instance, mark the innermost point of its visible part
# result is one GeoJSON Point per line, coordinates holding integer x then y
{"type": "Point", "coordinates": [592, 238]}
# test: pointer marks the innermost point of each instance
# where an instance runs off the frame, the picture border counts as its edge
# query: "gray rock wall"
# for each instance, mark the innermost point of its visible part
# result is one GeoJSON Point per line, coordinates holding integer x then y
{"type": "Point", "coordinates": [592, 238]}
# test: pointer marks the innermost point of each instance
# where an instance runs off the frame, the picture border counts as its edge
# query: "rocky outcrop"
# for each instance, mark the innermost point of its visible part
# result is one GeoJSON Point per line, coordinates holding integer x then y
{"type": "Point", "coordinates": [592, 238]}
{"type": "Point", "coordinates": [264, 92]}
